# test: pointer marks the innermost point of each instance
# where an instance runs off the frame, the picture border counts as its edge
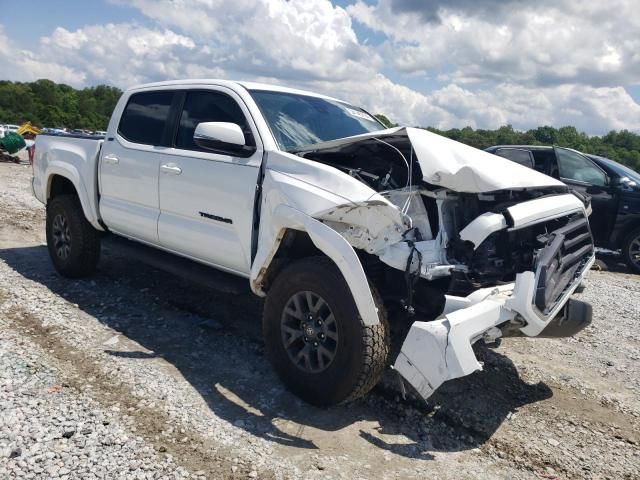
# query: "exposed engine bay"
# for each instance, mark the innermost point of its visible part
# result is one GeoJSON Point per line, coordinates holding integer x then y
{"type": "Point", "coordinates": [426, 254]}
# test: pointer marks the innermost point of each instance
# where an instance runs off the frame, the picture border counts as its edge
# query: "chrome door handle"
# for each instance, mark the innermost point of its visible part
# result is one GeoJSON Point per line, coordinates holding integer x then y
{"type": "Point", "coordinates": [170, 168]}
{"type": "Point", "coordinates": [110, 158]}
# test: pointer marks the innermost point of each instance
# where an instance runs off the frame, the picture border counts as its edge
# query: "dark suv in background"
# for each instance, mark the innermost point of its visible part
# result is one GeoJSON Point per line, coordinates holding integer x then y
{"type": "Point", "coordinates": [614, 190]}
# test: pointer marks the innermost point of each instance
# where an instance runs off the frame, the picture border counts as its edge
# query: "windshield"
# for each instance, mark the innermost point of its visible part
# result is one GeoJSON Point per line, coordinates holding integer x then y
{"type": "Point", "coordinates": [300, 120]}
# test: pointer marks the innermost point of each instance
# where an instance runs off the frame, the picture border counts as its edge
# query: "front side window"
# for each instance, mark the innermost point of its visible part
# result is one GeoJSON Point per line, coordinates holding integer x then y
{"type": "Point", "coordinates": [145, 117]}
{"type": "Point", "coordinates": [622, 170]}
{"type": "Point", "coordinates": [573, 166]}
{"type": "Point", "coordinates": [207, 106]}
{"type": "Point", "coordinates": [299, 120]}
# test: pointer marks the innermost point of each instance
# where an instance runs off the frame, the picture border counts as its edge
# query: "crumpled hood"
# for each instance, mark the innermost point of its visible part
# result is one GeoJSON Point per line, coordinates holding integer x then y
{"type": "Point", "coordinates": [454, 165]}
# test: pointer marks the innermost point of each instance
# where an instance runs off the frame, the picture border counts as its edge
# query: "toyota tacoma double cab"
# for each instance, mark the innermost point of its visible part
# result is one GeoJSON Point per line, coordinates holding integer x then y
{"type": "Point", "coordinates": [373, 247]}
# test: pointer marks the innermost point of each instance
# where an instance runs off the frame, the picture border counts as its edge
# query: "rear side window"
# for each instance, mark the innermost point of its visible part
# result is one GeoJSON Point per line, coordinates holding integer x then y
{"type": "Point", "coordinates": [207, 106]}
{"type": "Point", "coordinates": [543, 158]}
{"type": "Point", "coordinates": [518, 155]}
{"type": "Point", "coordinates": [145, 117]}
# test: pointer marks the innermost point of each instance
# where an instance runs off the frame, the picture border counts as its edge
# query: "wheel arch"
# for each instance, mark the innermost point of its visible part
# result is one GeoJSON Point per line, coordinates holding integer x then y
{"type": "Point", "coordinates": [293, 245]}
{"type": "Point", "coordinates": [629, 227]}
{"type": "Point", "coordinates": [291, 232]}
{"type": "Point", "coordinates": [60, 185]}
{"type": "Point", "coordinates": [66, 181]}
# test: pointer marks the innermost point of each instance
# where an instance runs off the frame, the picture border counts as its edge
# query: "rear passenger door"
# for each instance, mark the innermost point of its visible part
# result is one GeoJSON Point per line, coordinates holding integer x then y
{"type": "Point", "coordinates": [206, 198]}
{"type": "Point", "coordinates": [129, 165]}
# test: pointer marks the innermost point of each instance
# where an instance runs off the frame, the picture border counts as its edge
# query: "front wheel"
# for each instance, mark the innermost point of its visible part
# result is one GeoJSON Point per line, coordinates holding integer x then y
{"type": "Point", "coordinates": [315, 339]}
{"type": "Point", "coordinates": [631, 250]}
{"type": "Point", "coordinates": [74, 245]}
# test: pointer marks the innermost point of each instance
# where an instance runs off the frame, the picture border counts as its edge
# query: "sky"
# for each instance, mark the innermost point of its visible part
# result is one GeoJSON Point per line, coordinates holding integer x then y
{"type": "Point", "coordinates": [455, 63]}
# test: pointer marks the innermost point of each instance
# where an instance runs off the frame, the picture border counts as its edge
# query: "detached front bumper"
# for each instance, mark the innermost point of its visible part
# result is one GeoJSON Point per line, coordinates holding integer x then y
{"type": "Point", "coordinates": [441, 350]}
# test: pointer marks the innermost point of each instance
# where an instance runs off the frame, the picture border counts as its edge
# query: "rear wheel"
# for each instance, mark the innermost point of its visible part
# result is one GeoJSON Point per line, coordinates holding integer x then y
{"type": "Point", "coordinates": [631, 250]}
{"type": "Point", "coordinates": [74, 245]}
{"type": "Point", "coordinates": [315, 338]}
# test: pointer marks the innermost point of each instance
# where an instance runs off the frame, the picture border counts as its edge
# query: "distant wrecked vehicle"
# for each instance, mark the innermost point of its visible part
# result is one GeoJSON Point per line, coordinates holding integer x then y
{"type": "Point", "coordinates": [351, 231]}
{"type": "Point", "coordinates": [613, 189]}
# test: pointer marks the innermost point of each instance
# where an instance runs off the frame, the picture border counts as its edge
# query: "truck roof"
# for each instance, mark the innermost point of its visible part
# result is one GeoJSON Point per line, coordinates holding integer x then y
{"type": "Point", "coordinates": [232, 84]}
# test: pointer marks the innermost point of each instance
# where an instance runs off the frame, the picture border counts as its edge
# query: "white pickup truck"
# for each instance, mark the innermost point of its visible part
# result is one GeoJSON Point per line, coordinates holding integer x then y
{"type": "Point", "coordinates": [373, 247]}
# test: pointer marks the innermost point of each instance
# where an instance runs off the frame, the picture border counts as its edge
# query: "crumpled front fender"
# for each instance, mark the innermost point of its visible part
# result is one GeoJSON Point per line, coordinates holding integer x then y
{"type": "Point", "coordinates": [332, 244]}
{"type": "Point", "coordinates": [284, 209]}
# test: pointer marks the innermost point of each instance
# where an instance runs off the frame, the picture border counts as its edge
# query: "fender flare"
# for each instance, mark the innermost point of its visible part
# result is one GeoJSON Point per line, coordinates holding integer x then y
{"type": "Point", "coordinates": [330, 242]}
{"type": "Point", "coordinates": [70, 173]}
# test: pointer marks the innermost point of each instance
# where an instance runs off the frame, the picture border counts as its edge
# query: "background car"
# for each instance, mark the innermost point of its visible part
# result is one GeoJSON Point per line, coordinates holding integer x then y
{"type": "Point", "coordinates": [614, 190]}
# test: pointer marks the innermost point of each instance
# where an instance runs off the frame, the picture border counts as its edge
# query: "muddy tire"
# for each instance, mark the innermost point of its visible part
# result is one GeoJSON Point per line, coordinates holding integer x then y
{"type": "Point", "coordinates": [315, 338]}
{"type": "Point", "coordinates": [74, 245]}
{"type": "Point", "coordinates": [631, 250]}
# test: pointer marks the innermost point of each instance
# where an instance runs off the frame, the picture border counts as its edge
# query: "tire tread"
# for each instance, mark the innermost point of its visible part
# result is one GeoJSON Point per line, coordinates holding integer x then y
{"type": "Point", "coordinates": [375, 339]}
{"type": "Point", "coordinates": [377, 347]}
{"type": "Point", "coordinates": [633, 234]}
{"type": "Point", "coordinates": [85, 260]}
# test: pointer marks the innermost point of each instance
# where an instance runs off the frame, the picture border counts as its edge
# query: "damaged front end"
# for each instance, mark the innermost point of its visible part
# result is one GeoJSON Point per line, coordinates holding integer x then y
{"type": "Point", "coordinates": [536, 303]}
{"type": "Point", "coordinates": [461, 244]}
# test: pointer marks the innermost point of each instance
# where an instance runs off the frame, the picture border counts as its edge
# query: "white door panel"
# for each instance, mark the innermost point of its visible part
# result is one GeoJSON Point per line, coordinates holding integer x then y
{"type": "Point", "coordinates": [129, 200]}
{"type": "Point", "coordinates": [136, 221]}
{"type": "Point", "coordinates": [207, 198]}
{"type": "Point", "coordinates": [130, 163]}
{"type": "Point", "coordinates": [207, 209]}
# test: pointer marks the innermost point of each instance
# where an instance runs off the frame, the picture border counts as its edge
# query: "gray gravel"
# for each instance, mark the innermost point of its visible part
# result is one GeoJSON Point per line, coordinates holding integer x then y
{"type": "Point", "coordinates": [138, 374]}
{"type": "Point", "coordinates": [49, 430]}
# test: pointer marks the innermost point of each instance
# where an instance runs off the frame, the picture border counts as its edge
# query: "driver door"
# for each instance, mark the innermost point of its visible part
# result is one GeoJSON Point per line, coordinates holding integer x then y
{"type": "Point", "coordinates": [581, 174]}
{"type": "Point", "coordinates": [206, 198]}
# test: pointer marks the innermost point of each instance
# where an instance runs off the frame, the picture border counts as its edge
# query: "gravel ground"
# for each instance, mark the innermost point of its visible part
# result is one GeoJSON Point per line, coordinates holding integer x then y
{"type": "Point", "coordinates": [135, 373]}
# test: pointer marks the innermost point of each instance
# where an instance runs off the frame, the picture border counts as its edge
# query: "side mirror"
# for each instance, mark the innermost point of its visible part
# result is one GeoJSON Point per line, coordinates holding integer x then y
{"type": "Point", "coordinates": [625, 182]}
{"type": "Point", "coordinates": [224, 138]}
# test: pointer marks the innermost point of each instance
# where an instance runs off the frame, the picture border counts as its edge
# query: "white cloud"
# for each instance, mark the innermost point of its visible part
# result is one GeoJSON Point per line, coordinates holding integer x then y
{"type": "Point", "coordinates": [305, 39]}
{"type": "Point", "coordinates": [23, 65]}
{"type": "Point", "coordinates": [533, 43]}
{"type": "Point", "coordinates": [496, 62]}
{"type": "Point", "coordinates": [590, 109]}
{"type": "Point", "coordinates": [120, 54]}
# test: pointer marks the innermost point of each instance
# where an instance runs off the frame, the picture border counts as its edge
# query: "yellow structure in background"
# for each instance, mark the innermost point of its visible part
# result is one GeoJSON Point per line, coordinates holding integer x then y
{"type": "Point", "coordinates": [26, 128]}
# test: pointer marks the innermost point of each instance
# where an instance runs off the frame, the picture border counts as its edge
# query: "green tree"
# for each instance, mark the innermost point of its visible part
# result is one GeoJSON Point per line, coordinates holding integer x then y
{"type": "Point", "coordinates": [385, 121]}
{"type": "Point", "coordinates": [49, 104]}
{"type": "Point", "coordinates": [622, 146]}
